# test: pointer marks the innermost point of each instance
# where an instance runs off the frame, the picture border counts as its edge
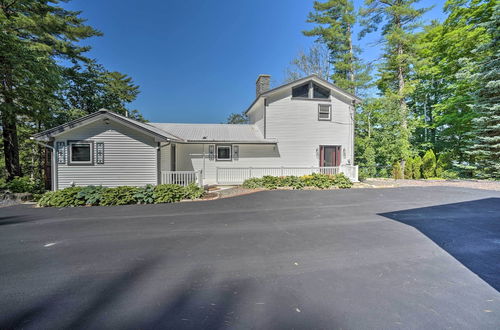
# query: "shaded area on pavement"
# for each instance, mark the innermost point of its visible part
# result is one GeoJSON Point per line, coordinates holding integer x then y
{"type": "Point", "coordinates": [469, 231]}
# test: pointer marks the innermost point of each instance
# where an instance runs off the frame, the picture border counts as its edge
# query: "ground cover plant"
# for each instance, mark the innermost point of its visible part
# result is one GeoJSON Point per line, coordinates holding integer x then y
{"type": "Point", "coordinates": [124, 195]}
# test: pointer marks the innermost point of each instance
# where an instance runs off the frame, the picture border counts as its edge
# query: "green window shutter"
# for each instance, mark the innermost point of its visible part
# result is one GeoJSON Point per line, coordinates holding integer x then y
{"type": "Point", "coordinates": [99, 152]}
{"type": "Point", "coordinates": [61, 152]}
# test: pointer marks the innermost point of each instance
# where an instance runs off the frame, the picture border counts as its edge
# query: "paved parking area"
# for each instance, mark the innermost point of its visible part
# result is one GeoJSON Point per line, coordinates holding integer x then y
{"type": "Point", "coordinates": [402, 258]}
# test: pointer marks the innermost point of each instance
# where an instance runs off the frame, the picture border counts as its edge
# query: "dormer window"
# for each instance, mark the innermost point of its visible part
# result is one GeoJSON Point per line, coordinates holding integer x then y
{"type": "Point", "coordinates": [311, 91]}
{"type": "Point", "coordinates": [301, 91]}
{"type": "Point", "coordinates": [320, 92]}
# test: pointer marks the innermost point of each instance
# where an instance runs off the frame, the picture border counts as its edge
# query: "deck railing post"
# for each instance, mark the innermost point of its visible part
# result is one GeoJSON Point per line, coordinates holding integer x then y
{"type": "Point", "coordinates": [200, 178]}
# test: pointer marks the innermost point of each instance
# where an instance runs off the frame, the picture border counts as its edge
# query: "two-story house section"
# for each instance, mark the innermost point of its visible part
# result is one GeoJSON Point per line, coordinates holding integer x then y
{"type": "Point", "coordinates": [303, 127]}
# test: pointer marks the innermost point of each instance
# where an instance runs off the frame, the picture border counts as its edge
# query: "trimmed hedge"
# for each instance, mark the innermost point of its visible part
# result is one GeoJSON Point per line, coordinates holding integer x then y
{"type": "Point", "coordinates": [124, 195]}
{"type": "Point", "coordinates": [322, 181]}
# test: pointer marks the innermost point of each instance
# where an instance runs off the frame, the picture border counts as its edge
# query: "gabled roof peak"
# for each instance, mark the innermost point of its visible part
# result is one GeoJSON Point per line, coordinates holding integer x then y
{"type": "Point", "coordinates": [313, 77]}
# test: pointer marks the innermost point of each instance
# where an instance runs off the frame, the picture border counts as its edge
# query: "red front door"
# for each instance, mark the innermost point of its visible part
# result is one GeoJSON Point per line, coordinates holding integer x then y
{"type": "Point", "coordinates": [329, 156]}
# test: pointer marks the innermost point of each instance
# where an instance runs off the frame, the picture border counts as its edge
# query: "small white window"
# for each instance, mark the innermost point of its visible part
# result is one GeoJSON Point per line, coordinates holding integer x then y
{"type": "Point", "coordinates": [223, 152]}
{"type": "Point", "coordinates": [324, 112]}
{"type": "Point", "coordinates": [80, 153]}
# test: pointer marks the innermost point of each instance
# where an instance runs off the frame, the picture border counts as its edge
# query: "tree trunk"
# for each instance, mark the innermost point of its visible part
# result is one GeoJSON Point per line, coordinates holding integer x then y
{"type": "Point", "coordinates": [8, 120]}
{"type": "Point", "coordinates": [10, 145]}
{"type": "Point", "coordinates": [401, 78]}
{"type": "Point", "coordinates": [351, 58]}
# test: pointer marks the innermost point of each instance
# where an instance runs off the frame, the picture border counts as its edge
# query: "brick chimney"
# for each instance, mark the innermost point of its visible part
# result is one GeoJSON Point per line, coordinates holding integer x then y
{"type": "Point", "coordinates": [263, 84]}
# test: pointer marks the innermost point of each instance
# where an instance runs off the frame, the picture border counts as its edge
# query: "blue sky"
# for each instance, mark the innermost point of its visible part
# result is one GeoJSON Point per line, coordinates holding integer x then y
{"type": "Point", "coordinates": [196, 60]}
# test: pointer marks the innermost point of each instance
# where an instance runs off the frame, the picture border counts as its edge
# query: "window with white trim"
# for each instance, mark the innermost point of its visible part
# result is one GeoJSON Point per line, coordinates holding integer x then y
{"type": "Point", "coordinates": [80, 153]}
{"type": "Point", "coordinates": [223, 152]}
{"type": "Point", "coordinates": [324, 112]}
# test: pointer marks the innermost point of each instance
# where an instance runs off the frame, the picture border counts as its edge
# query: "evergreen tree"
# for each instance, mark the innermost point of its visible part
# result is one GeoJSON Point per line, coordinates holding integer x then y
{"type": "Point", "coordinates": [397, 172]}
{"type": "Point", "coordinates": [93, 88]}
{"type": "Point", "coordinates": [417, 167]}
{"type": "Point", "coordinates": [429, 165]}
{"type": "Point", "coordinates": [33, 35]}
{"type": "Point", "coordinates": [486, 148]}
{"type": "Point", "coordinates": [408, 168]}
{"type": "Point", "coordinates": [334, 21]}
{"type": "Point", "coordinates": [398, 20]}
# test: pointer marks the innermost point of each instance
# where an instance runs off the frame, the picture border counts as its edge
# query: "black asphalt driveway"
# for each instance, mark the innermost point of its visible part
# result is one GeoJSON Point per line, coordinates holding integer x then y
{"type": "Point", "coordinates": [403, 258]}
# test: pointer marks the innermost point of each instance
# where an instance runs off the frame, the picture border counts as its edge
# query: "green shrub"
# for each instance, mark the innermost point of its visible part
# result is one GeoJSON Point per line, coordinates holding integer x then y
{"type": "Point", "coordinates": [252, 183]}
{"type": "Point", "coordinates": [450, 175]}
{"type": "Point", "coordinates": [429, 164]}
{"type": "Point", "coordinates": [23, 185]}
{"type": "Point", "coordinates": [123, 195]}
{"type": "Point", "coordinates": [98, 195]}
{"type": "Point", "coordinates": [145, 195]}
{"type": "Point", "coordinates": [270, 182]}
{"type": "Point", "coordinates": [318, 180]}
{"type": "Point", "coordinates": [291, 181]}
{"type": "Point", "coordinates": [417, 167]}
{"type": "Point", "coordinates": [408, 171]}
{"type": "Point", "coordinates": [91, 195]}
{"type": "Point", "coordinates": [341, 181]}
{"type": "Point", "coordinates": [383, 173]}
{"type": "Point", "coordinates": [443, 164]}
{"type": "Point", "coordinates": [62, 198]}
{"type": "Point", "coordinates": [193, 191]}
{"type": "Point", "coordinates": [168, 193]}
{"type": "Point", "coordinates": [363, 174]}
{"type": "Point", "coordinates": [397, 172]}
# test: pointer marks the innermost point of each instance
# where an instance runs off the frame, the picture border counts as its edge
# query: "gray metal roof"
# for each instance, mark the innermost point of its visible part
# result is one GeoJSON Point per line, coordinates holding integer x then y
{"type": "Point", "coordinates": [147, 128]}
{"type": "Point", "coordinates": [214, 132]}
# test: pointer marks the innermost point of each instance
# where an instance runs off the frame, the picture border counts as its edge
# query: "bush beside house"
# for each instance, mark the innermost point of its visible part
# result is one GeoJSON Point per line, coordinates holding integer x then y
{"type": "Point", "coordinates": [124, 195]}
{"type": "Point", "coordinates": [316, 180]}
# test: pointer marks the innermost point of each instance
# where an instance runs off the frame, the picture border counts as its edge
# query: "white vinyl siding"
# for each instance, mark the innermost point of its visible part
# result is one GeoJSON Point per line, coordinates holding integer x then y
{"type": "Point", "coordinates": [130, 157]}
{"type": "Point", "coordinates": [295, 125]}
{"type": "Point", "coordinates": [190, 158]}
{"type": "Point", "coordinates": [256, 116]}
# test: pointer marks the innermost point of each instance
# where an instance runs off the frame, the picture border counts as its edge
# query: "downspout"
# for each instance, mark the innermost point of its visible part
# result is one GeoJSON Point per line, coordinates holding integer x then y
{"type": "Point", "coordinates": [54, 163]}
{"type": "Point", "coordinates": [265, 118]}
{"type": "Point", "coordinates": [353, 115]}
{"type": "Point", "coordinates": [203, 152]}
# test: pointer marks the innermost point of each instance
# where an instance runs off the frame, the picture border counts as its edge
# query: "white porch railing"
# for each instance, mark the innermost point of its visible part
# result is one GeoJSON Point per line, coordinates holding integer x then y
{"type": "Point", "coordinates": [182, 178]}
{"type": "Point", "coordinates": [236, 175]}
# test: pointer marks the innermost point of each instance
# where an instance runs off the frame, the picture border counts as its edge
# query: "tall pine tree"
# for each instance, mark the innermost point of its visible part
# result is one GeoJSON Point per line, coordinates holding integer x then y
{"type": "Point", "coordinates": [33, 35]}
{"type": "Point", "coordinates": [397, 20]}
{"type": "Point", "coordinates": [334, 21]}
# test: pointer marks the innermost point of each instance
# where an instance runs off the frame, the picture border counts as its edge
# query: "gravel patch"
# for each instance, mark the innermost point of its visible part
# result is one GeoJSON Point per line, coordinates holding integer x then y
{"type": "Point", "coordinates": [391, 183]}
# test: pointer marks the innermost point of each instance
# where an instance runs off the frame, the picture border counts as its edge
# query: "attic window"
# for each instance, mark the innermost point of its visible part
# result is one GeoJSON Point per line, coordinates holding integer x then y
{"type": "Point", "coordinates": [301, 91]}
{"type": "Point", "coordinates": [320, 92]}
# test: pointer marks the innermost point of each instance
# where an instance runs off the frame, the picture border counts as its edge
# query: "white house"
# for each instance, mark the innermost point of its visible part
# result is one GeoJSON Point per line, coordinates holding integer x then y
{"type": "Point", "coordinates": [295, 129]}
